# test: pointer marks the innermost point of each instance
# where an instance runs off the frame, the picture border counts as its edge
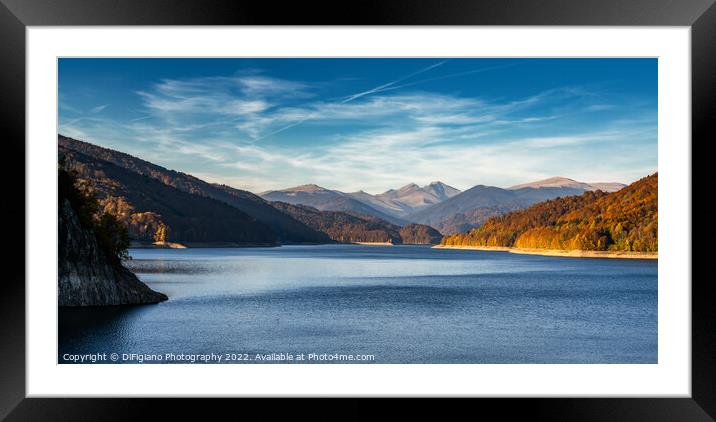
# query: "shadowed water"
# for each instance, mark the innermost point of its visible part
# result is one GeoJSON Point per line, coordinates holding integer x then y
{"type": "Point", "coordinates": [401, 304]}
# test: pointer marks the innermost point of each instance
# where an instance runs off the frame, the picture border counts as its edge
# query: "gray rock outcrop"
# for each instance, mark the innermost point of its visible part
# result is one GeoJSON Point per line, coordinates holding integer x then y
{"type": "Point", "coordinates": [87, 276]}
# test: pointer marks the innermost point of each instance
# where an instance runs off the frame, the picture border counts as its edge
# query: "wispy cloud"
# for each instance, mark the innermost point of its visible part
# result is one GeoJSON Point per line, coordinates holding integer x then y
{"type": "Point", "coordinates": [99, 108]}
{"type": "Point", "coordinates": [259, 132]}
{"type": "Point", "coordinates": [352, 97]}
{"type": "Point", "coordinates": [376, 160]}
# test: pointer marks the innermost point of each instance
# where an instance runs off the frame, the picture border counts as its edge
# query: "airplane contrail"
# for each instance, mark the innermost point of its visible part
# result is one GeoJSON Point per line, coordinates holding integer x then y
{"type": "Point", "coordinates": [352, 97]}
{"type": "Point", "coordinates": [391, 86]}
{"type": "Point", "coordinates": [310, 116]}
{"type": "Point", "coordinates": [438, 78]}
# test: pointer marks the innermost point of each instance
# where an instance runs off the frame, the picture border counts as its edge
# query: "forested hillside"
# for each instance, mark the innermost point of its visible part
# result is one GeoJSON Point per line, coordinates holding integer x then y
{"type": "Point", "coordinates": [343, 227]}
{"type": "Point", "coordinates": [285, 228]}
{"type": "Point", "coordinates": [419, 234]}
{"type": "Point", "coordinates": [626, 220]}
{"type": "Point", "coordinates": [154, 211]}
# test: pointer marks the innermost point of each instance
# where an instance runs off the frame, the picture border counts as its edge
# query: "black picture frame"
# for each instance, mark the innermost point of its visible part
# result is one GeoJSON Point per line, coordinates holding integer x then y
{"type": "Point", "coordinates": [16, 15]}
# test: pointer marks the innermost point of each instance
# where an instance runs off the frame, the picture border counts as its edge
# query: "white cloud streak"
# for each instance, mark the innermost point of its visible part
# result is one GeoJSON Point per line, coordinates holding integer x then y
{"type": "Point", "coordinates": [211, 127]}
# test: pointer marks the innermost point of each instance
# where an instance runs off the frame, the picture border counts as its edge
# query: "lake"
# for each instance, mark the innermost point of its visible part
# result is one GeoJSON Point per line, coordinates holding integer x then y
{"type": "Point", "coordinates": [374, 304]}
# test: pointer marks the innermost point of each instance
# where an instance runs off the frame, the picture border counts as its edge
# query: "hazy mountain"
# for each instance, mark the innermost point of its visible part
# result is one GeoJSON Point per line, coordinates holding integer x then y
{"type": "Point", "coordinates": [327, 200]}
{"type": "Point", "coordinates": [285, 227]}
{"type": "Point", "coordinates": [563, 182]}
{"type": "Point", "coordinates": [478, 197]}
{"type": "Point", "coordinates": [412, 198]}
{"type": "Point", "coordinates": [474, 206]}
{"type": "Point", "coordinates": [391, 205]}
{"type": "Point", "coordinates": [529, 196]}
{"type": "Point", "coordinates": [626, 220]}
{"type": "Point", "coordinates": [463, 221]}
{"type": "Point", "coordinates": [441, 191]}
{"type": "Point", "coordinates": [388, 207]}
{"type": "Point", "coordinates": [607, 186]}
{"type": "Point", "coordinates": [408, 199]}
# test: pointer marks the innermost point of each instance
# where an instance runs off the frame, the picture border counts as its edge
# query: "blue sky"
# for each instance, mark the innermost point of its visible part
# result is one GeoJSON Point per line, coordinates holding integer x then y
{"type": "Point", "coordinates": [370, 124]}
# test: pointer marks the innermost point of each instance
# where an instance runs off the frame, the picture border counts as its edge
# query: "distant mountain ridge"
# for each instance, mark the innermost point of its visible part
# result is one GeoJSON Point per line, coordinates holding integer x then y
{"type": "Point", "coordinates": [564, 182]}
{"type": "Point", "coordinates": [408, 199]}
{"type": "Point", "coordinates": [437, 204]}
{"type": "Point", "coordinates": [327, 200]}
{"type": "Point", "coordinates": [392, 205]}
{"type": "Point", "coordinates": [474, 206]}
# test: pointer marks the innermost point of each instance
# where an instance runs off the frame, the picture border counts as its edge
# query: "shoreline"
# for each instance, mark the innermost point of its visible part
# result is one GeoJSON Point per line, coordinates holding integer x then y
{"type": "Point", "coordinates": [372, 243]}
{"type": "Point", "coordinates": [188, 245]}
{"type": "Point", "coordinates": [559, 252]}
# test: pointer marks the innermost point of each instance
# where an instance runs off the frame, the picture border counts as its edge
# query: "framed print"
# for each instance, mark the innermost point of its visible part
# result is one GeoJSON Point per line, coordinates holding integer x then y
{"type": "Point", "coordinates": [408, 201]}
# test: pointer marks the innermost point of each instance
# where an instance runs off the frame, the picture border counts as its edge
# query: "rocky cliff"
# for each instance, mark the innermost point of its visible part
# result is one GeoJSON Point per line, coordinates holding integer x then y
{"type": "Point", "coordinates": [87, 276]}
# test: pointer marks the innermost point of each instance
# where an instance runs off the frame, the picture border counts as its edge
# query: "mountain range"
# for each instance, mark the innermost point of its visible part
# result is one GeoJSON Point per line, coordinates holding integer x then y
{"type": "Point", "coordinates": [471, 208]}
{"type": "Point", "coordinates": [324, 199]}
{"type": "Point", "coordinates": [408, 199]}
{"type": "Point", "coordinates": [437, 205]}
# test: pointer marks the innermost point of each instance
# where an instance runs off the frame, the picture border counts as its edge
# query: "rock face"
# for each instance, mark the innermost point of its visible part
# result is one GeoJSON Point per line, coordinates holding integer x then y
{"type": "Point", "coordinates": [87, 277]}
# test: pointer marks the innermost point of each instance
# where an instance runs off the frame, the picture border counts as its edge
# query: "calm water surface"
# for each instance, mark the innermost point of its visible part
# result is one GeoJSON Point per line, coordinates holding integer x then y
{"type": "Point", "coordinates": [401, 304]}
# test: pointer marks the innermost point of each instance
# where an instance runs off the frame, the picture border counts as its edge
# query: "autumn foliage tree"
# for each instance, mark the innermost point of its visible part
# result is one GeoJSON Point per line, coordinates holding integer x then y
{"type": "Point", "coordinates": [160, 235]}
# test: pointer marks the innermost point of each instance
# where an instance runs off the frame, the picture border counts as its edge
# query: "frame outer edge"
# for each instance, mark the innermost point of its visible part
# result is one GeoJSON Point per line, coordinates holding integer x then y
{"type": "Point", "coordinates": [703, 311]}
{"type": "Point", "coordinates": [12, 128]}
{"type": "Point", "coordinates": [12, 111]}
{"type": "Point", "coordinates": [365, 12]}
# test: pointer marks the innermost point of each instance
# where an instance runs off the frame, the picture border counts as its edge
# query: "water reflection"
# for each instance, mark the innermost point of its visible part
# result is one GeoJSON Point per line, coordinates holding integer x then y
{"type": "Point", "coordinates": [402, 304]}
